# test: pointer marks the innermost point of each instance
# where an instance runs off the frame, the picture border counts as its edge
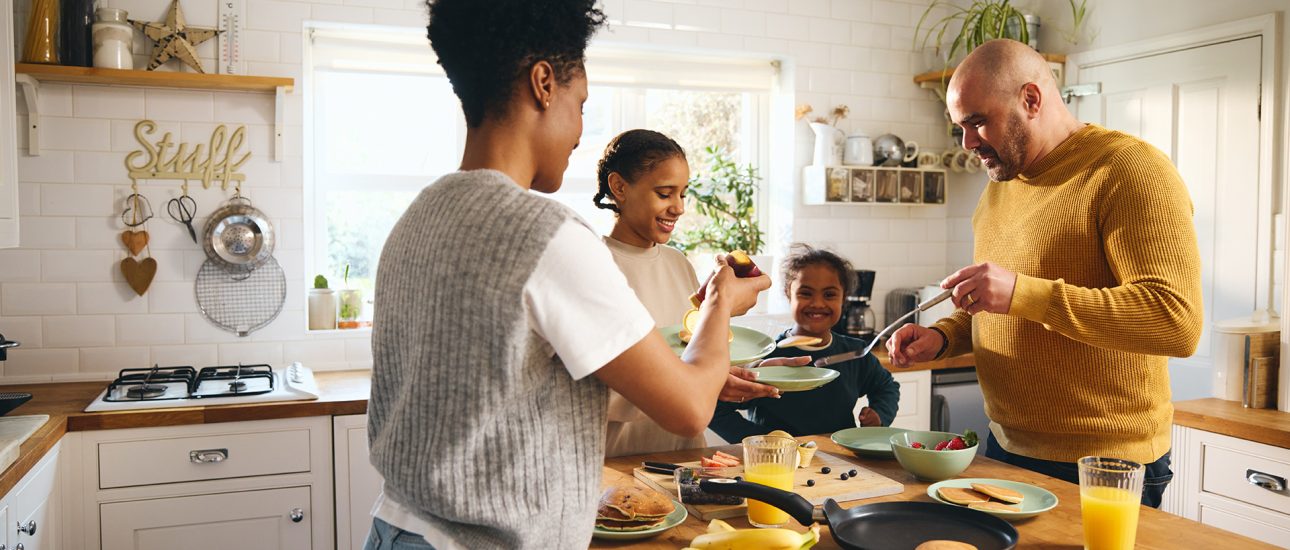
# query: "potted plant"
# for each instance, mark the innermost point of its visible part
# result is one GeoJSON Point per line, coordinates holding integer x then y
{"type": "Point", "coordinates": [322, 305]}
{"type": "Point", "coordinates": [970, 26]}
{"type": "Point", "coordinates": [351, 304]}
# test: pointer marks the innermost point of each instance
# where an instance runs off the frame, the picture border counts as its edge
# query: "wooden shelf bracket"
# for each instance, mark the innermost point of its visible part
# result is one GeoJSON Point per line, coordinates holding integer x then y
{"type": "Point", "coordinates": [31, 94]}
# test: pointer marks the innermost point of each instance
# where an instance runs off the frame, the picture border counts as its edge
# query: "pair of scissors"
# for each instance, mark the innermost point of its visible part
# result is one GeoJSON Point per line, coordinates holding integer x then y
{"type": "Point", "coordinates": [182, 210]}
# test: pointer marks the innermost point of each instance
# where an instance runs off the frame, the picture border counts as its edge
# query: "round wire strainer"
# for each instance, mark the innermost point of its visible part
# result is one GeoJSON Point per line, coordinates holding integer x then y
{"type": "Point", "coordinates": [240, 302]}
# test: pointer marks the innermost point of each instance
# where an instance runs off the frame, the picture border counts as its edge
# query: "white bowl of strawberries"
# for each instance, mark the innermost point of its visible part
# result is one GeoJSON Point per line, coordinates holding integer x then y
{"type": "Point", "coordinates": [934, 456]}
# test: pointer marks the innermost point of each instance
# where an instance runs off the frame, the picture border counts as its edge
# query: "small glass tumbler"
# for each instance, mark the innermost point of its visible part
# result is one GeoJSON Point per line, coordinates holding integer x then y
{"type": "Point", "coordinates": [769, 460]}
{"type": "Point", "coordinates": [1110, 494]}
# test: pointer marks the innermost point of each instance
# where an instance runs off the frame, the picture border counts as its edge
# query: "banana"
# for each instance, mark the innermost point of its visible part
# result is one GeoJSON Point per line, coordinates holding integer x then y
{"type": "Point", "coordinates": [718, 526]}
{"type": "Point", "coordinates": [756, 539]}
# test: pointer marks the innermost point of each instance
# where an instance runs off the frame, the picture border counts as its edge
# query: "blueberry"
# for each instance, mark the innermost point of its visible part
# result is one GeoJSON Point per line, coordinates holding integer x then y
{"type": "Point", "coordinates": [810, 483]}
{"type": "Point", "coordinates": [843, 476]}
{"type": "Point", "coordinates": [739, 478]}
{"type": "Point", "coordinates": [825, 470]}
{"type": "Point", "coordinates": [852, 473]}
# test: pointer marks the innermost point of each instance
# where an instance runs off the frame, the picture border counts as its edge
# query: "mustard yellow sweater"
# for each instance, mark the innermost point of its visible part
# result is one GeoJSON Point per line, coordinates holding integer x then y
{"type": "Point", "coordinates": [1100, 234]}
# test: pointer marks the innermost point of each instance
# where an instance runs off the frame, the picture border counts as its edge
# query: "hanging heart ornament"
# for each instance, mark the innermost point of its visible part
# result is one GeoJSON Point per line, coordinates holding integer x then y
{"type": "Point", "coordinates": [139, 274]}
{"type": "Point", "coordinates": [134, 241]}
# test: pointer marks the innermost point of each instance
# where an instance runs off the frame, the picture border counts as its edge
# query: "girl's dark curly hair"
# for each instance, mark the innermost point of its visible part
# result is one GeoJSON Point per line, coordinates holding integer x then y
{"type": "Point", "coordinates": [484, 45]}
{"type": "Point", "coordinates": [632, 154]}
{"type": "Point", "coordinates": [801, 255]}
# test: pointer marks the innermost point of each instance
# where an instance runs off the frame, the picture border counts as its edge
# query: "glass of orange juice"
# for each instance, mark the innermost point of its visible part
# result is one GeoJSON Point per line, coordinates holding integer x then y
{"type": "Point", "coordinates": [1110, 493]}
{"type": "Point", "coordinates": [770, 461]}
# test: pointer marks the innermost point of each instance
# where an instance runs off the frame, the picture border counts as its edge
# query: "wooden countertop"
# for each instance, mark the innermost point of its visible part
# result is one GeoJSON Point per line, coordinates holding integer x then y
{"type": "Point", "coordinates": [1267, 426]}
{"type": "Point", "coordinates": [1060, 527]}
{"type": "Point", "coordinates": [342, 393]}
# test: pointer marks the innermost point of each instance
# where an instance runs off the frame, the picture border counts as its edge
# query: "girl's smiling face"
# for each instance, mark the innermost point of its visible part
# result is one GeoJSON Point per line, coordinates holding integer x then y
{"type": "Point", "coordinates": [815, 295]}
{"type": "Point", "coordinates": [650, 206]}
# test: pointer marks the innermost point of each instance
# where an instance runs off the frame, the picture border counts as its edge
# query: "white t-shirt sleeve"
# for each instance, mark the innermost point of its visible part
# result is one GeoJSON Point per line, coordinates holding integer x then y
{"type": "Point", "coordinates": [580, 302]}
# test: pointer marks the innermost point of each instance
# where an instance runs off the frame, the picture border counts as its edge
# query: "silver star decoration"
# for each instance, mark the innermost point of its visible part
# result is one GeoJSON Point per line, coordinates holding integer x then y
{"type": "Point", "coordinates": [174, 38]}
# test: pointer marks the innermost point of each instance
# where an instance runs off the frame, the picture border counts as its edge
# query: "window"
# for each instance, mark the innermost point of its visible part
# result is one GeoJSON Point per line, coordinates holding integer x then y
{"type": "Point", "coordinates": [381, 123]}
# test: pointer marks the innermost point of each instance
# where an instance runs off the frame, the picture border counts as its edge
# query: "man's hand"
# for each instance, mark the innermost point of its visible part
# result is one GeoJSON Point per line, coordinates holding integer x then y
{"type": "Point", "coordinates": [982, 288]}
{"type": "Point", "coordinates": [914, 344]}
{"type": "Point", "coordinates": [868, 417]}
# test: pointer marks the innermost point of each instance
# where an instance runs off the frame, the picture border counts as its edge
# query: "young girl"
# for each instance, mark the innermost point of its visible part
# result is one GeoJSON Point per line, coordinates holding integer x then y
{"type": "Point", "coordinates": [816, 281]}
{"type": "Point", "coordinates": [503, 316]}
{"type": "Point", "coordinates": [643, 176]}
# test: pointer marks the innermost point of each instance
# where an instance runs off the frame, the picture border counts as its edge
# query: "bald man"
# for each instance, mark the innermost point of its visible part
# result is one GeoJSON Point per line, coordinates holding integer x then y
{"type": "Point", "coordinates": [1087, 277]}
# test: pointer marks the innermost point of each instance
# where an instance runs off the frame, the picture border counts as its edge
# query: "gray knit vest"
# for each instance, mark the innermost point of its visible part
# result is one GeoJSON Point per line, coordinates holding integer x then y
{"type": "Point", "coordinates": [473, 420]}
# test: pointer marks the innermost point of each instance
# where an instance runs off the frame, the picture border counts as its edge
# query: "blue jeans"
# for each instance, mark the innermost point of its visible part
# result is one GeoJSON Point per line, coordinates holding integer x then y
{"type": "Point", "coordinates": [1154, 480]}
{"type": "Point", "coordinates": [384, 536]}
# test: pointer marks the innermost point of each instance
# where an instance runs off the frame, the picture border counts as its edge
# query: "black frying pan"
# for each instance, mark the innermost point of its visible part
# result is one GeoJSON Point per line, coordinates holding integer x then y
{"type": "Point", "coordinates": [885, 525]}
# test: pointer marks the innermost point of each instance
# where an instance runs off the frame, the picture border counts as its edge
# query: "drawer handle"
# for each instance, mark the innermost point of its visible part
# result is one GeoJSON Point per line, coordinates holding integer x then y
{"type": "Point", "coordinates": [208, 456]}
{"type": "Point", "coordinates": [1266, 481]}
{"type": "Point", "coordinates": [29, 529]}
{"type": "Point", "coordinates": [297, 515]}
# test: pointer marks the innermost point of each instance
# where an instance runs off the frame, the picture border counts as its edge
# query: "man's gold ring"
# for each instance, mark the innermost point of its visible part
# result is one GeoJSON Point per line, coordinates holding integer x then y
{"type": "Point", "coordinates": [971, 300]}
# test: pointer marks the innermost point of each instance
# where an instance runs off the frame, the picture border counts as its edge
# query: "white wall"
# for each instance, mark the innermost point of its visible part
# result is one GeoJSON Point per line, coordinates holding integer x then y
{"type": "Point", "coordinates": [62, 295]}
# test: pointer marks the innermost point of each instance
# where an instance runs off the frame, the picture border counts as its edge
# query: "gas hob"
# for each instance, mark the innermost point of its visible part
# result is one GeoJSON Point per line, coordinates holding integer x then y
{"type": "Point", "coordinates": [185, 386]}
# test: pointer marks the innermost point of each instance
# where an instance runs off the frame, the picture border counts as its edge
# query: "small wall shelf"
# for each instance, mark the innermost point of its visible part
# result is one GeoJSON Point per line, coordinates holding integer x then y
{"type": "Point", "coordinates": [30, 75]}
{"type": "Point", "coordinates": [873, 185]}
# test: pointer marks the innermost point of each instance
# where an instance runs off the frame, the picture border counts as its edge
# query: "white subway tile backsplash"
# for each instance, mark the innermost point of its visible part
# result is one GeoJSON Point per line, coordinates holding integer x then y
{"type": "Point", "coordinates": [69, 266]}
{"type": "Point", "coordinates": [40, 232]}
{"type": "Point", "coordinates": [291, 44]}
{"type": "Point", "coordinates": [78, 200]}
{"type": "Point", "coordinates": [891, 13]}
{"type": "Point", "coordinates": [124, 140]}
{"type": "Point", "coordinates": [315, 353]}
{"type": "Point", "coordinates": [178, 105]}
{"type": "Point", "coordinates": [909, 230]}
{"type": "Point", "coordinates": [704, 19]}
{"type": "Point", "coordinates": [196, 355]}
{"type": "Point", "coordinates": [342, 14]}
{"type": "Point", "coordinates": [389, 4]}
{"type": "Point", "coordinates": [927, 254]}
{"type": "Point", "coordinates": [28, 331]}
{"type": "Point", "coordinates": [111, 360]}
{"type": "Point", "coordinates": [870, 84]}
{"type": "Point", "coordinates": [199, 330]}
{"type": "Point", "coordinates": [270, 15]}
{"type": "Point", "coordinates": [870, 35]}
{"type": "Point", "coordinates": [39, 365]}
{"type": "Point", "coordinates": [103, 168]}
{"type": "Point", "coordinates": [768, 6]}
{"type": "Point", "coordinates": [854, 10]}
{"type": "Point", "coordinates": [789, 27]}
{"type": "Point", "coordinates": [49, 167]}
{"type": "Point", "coordinates": [261, 45]}
{"type": "Point", "coordinates": [809, 55]}
{"type": "Point", "coordinates": [151, 329]}
{"type": "Point", "coordinates": [358, 351]}
{"type": "Point", "coordinates": [870, 229]}
{"type": "Point", "coordinates": [829, 81]}
{"type": "Point", "coordinates": [745, 23]}
{"type": "Point", "coordinates": [75, 134]}
{"type": "Point", "coordinates": [113, 298]}
{"type": "Point", "coordinates": [107, 102]}
{"type": "Point", "coordinates": [848, 58]}
{"type": "Point", "coordinates": [764, 45]}
{"type": "Point", "coordinates": [829, 30]}
{"type": "Point", "coordinates": [171, 297]}
{"type": "Point", "coordinates": [55, 100]}
{"type": "Point", "coordinates": [814, 8]}
{"type": "Point", "coordinates": [648, 14]}
{"type": "Point", "coordinates": [28, 199]}
{"type": "Point", "coordinates": [19, 266]}
{"type": "Point", "coordinates": [234, 108]}
{"type": "Point", "coordinates": [74, 331]}
{"type": "Point", "coordinates": [250, 353]}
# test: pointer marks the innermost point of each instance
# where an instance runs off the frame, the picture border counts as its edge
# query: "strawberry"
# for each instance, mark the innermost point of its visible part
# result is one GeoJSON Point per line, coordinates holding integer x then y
{"type": "Point", "coordinates": [917, 445]}
{"type": "Point", "coordinates": [942, 445]}
{"type": "Point", "coordinates": [709, 463]}
{"type": "Point", "coordinates": [956, 444]}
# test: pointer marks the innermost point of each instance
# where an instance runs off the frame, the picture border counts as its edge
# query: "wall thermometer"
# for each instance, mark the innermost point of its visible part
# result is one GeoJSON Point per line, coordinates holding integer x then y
{"type": "Point", "coordinates": [231, 15]}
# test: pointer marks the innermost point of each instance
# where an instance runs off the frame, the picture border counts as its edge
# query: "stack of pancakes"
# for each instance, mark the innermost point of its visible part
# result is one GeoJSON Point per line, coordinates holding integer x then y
{"type": "Point", "coordinates": [631, 508]}
{"type": "Point", "coordinates": [979, 496]}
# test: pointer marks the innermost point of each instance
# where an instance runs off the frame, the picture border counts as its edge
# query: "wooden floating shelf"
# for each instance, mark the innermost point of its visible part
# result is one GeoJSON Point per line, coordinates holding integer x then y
{"type": "Point", "coordinates": [120, 77]}
{"type": "Point", "coordinates": [943, 77]}
{"type": "Point", "coordinates": [30, 75]}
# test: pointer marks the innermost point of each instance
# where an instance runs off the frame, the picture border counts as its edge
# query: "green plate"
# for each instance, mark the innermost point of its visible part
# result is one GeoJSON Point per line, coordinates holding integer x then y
{"type": "Point", "coordinates": [795, 378]}
{"type": "Point", "coordinates": [874, 441]}
{"type": "Point", "coordinates": [673, 519]}
{"type": "Point", "coordinates": [1036, 501]}
{"type": "Point", "coordinates": [749, 345]}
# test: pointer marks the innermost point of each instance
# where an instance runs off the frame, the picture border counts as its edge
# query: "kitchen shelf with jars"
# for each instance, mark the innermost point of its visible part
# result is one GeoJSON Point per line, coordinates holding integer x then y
{"type": "Point", "coordinates": [873, 185]}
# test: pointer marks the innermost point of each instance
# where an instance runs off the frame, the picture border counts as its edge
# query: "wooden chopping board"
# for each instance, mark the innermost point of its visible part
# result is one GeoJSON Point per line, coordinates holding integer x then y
{"type": "Point", "coordinates": [866, 484]}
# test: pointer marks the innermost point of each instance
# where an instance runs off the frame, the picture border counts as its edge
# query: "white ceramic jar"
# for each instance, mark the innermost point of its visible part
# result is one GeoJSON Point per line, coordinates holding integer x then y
{"type": "Point", "coordinates": [322, 309]}
{"type": "Point", "coordinates": [113, 39]}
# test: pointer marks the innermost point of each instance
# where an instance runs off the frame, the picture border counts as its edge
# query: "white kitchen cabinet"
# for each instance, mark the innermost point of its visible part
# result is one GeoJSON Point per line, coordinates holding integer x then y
{"type": "Point", "coordinates": [256, 484]}
{"type": "Point", "coordinates": [1215, 483]}
{"type": "Point", "coordinates": [915, 411]}
{"type": "Point", "coordinates": [357, 482]}
{"type": "Point", "coordinates": [30, 511]}
{"type": "Point", "coordinates": [8, 135]}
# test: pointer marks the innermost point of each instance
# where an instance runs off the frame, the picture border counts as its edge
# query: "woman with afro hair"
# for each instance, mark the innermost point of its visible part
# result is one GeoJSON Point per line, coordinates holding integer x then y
{"type": "Point", "coordinates": [502, 317]}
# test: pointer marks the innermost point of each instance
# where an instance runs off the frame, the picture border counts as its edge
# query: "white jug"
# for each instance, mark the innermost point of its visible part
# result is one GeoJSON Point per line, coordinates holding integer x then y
{"type": "Point", "coordinates": [826, 144]}
{"type": "Point", "coordinates": [858, 150]}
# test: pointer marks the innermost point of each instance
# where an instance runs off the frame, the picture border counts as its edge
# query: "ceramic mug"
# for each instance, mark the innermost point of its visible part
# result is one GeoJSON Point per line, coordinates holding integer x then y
{"type": "Point", "coordinates": [959, 164]}
{"type": "Point", "coordinates": [974, 164]}
{"type": "Point", "coordinates": [858, 150]}
{"type": "Point", "coordinates": [911, 152]}
{"type": "Point", "coordinates": [947, 159]}
{"type": "Point", "coordinates": [928, 159]}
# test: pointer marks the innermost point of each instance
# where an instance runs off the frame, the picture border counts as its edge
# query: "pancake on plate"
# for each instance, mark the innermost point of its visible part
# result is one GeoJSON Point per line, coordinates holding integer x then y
{"type": "Point", "coordinates": [959, 495]}
{"type": "Point", "coordinates": [631, 508]}
{"type": "Point", "coordinates": [1001, 493]}
{"type": "Point", "coordinates": [994, 506]}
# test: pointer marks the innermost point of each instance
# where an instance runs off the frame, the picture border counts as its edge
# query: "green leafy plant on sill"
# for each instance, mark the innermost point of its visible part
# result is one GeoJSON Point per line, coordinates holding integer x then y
{"type": "Point", "coordinates": [726, 195]}
{"type": "Point", "coordinates": [976, 24]}
{"type": "Point", "coordinates": [348, 310]}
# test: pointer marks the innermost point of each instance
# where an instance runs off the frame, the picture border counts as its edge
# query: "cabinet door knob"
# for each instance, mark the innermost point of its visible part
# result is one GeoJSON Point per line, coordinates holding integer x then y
{"type": "Point", "coordinates": [297, 515]}
{"type": "Point", "coordinates": [208, 456]}
{"type": "Point", "coordinates": [29, 529]}
{"type": "Point", "coordinates": [1267, 481]}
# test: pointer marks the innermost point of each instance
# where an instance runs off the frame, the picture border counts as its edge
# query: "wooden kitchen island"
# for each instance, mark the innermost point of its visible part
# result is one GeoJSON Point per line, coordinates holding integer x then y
{"type": "Point", "coordinates": [1059, 528]}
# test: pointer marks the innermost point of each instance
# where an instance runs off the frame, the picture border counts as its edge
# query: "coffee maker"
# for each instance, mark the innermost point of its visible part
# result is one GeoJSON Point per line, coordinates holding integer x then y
{"type": "Point", "coordinates": [857, 319]}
